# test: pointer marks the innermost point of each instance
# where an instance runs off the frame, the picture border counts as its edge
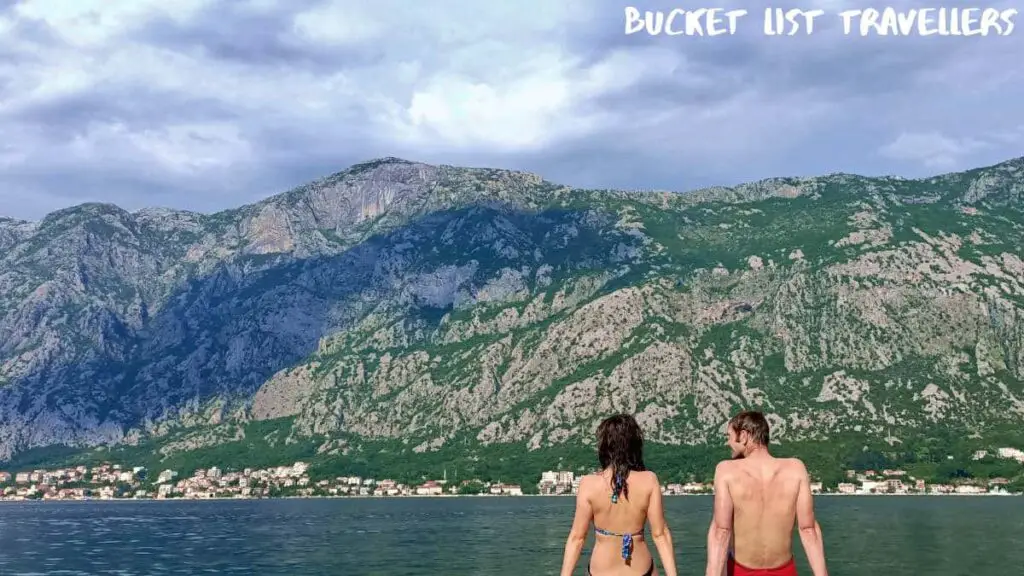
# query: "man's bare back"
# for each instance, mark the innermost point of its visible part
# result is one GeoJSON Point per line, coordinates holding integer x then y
{"type": "Point", "coordinates": [764, 493]}
{"type": "Point", "coordinates": [758, 500]}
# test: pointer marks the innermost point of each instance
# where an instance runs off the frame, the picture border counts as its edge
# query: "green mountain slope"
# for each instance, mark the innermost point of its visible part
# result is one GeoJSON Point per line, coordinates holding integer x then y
{"type": "Point", "coordinates": [417, 311]}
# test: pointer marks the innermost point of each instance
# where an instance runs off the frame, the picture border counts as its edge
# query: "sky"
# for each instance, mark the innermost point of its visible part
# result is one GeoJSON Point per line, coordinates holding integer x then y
{"type": "Point", "coordinates": [210, 104]}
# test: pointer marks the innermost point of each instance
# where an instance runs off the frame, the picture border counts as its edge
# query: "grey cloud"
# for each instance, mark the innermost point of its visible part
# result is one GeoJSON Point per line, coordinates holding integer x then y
{"type": "Point", "coordinates": [932, 148]}
{"type": "Point", "coordinates": [875, 82]}
{"type": "Point", "coordinates": [25, 39]}
{"type": "Point", "coordinates": [228, 30]}
{"type": "Point", "coordinates": [135, 107]}
{"type": "Point", "coordinates": [826, 62]}
{"type": "Point", "coordinates": [737, 108]}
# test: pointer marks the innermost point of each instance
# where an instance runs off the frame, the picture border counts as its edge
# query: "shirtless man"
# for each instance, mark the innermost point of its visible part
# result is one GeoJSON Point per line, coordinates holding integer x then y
{"type": "Point", "coordinates": [758, 498]}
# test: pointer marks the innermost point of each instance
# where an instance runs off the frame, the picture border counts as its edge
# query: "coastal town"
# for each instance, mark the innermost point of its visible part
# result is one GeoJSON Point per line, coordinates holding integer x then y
{"type": "Point", "coordinates": [115, 482]}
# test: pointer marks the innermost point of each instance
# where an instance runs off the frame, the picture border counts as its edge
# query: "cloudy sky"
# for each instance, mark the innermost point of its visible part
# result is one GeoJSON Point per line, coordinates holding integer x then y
{"type": "Point", "coordinates": [208, 104]}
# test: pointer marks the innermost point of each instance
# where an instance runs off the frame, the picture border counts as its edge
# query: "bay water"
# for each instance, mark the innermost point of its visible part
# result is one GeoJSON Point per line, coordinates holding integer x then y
{"type": "Point", "coordinates": [499, 536]}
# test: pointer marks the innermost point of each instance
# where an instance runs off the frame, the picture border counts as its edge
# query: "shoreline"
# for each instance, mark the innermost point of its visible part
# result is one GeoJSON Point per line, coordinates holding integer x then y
{"type": "Point", "coordinates": [416, 496]}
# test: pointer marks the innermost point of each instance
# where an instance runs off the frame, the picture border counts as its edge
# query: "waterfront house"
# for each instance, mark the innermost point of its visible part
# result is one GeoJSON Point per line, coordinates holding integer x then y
{"type": "Point", "coordinates": [895, 486]}
{"type": "Point", "coordinates": [871, 486]}
{"type": "Point", "coordinates": [557, 482]}
{"type": "Point", "coordinates": [969, 489]}
{"type": "Point", "coordinates": [430, 488]}
{"type": "Point", "coordinates": [507, 489]}
{"type": "Point", "coordinates": [698, 488]}
{"type": "Point", "coordinates": [389, 486]}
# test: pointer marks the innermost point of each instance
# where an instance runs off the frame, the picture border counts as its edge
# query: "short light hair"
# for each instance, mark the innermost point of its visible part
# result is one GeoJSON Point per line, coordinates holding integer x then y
{"type": "Point", "coordinates": [753, 423]}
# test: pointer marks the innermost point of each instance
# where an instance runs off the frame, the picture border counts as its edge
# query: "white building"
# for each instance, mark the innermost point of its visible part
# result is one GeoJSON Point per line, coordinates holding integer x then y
{"type": "Point", "coordinates": [869, 486]}
{"type": "Point", "coordinates": [430, 488]}
{"type": "Point", "coordinates": [968, 489]}
{"type": "Point", "coordinates": [507, 489]}
{"type": "Point", "coordinates": [1012, 453]}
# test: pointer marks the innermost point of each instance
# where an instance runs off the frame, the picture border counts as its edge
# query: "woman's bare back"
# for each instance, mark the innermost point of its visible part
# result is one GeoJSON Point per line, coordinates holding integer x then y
{"type": "Point", "coordinates": [618, 511]}
{"type": "Point", "coordinates": [626, 516]}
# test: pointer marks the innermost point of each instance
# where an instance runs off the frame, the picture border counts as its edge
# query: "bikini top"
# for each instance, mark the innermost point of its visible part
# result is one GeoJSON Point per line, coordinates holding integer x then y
{"type": "Point", "coordinates": [627, 539]}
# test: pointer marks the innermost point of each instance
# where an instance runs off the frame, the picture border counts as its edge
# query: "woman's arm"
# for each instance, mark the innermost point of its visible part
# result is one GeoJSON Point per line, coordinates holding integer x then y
{"type": "Point", "coordinates": [578, 533]}
{"type": "Point", "coordinates": [659, 530]}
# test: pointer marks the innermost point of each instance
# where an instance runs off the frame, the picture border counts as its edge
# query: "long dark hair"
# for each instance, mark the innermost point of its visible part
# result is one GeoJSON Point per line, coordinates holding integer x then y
{"type": "Point", "coordinates": [620, 447]}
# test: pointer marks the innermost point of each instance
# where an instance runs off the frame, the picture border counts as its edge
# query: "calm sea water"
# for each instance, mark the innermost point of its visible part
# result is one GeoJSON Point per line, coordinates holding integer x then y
{"type": "Point", "coordinates": [864, 536]}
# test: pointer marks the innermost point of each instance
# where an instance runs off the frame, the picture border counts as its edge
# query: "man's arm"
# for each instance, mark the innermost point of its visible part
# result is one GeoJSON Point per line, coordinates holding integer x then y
{"type": "Point", "coordinates": [810, 531]}
{"type": "Point", "coordinates": [578, 533]}
{"type": "Point", "coordinates": [659, 530]}
{"type": "Point", "coordinates": [720, 531]}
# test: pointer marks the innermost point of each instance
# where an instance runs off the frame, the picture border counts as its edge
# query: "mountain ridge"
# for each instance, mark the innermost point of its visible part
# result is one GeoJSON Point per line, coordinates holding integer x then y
{"type": "Point", "coordinates": [1013, 163]}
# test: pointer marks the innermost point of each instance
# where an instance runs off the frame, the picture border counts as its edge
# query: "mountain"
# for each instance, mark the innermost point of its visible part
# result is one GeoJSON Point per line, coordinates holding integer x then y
{"type": "Point", "coordinates": [437, 306]}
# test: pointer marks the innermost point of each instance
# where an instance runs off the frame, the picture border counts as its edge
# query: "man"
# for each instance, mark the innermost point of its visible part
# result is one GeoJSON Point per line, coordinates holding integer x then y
{"type": "Point", "coordinates": [757, 500]}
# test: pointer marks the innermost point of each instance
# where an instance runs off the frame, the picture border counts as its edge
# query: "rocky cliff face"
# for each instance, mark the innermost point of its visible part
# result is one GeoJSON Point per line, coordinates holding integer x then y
{"type": "Point", "coordinates": [400, 300]}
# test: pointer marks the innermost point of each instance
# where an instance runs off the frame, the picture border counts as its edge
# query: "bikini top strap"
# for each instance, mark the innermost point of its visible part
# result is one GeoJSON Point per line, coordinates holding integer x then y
{"type": "Point", "coordinates": [604, 532]}
{"type": "Point", "coordinates": [627, 540]}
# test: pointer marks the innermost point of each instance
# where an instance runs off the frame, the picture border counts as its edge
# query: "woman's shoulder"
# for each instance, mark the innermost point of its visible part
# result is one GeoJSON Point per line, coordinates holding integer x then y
{"type": "Point", "coordinates": [589, 482]}
{"type": "Point", "coordinates": [646, 476]}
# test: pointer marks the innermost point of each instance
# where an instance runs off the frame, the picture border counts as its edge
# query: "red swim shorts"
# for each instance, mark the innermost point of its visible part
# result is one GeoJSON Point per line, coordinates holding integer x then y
{"type": "Point", "coordinates": [737, 569]}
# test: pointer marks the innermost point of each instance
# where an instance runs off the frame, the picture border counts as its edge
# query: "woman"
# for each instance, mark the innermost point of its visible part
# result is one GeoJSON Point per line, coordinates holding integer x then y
{"type": "Point", "coordinates": [619, 499]}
